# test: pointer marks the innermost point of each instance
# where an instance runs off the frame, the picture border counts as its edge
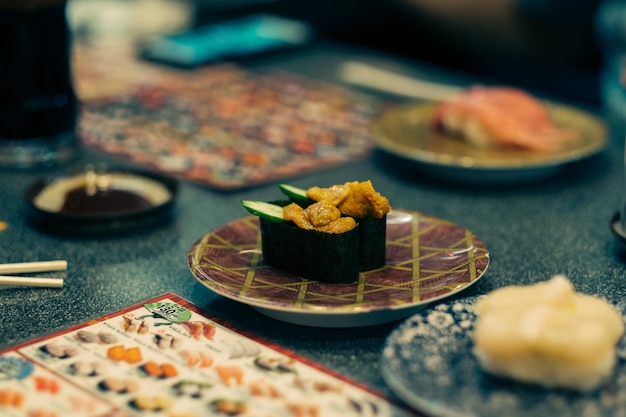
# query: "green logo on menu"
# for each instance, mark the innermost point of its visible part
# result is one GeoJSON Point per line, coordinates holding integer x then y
{"type": "Point", "coordinates": [170, 311]}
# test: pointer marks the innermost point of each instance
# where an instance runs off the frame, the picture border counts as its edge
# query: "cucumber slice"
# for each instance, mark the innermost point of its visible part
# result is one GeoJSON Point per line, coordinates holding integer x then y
{"type": "Point", "coordinates": [269, 211]}
{"type": "Point", "coordinates": [295, 193]}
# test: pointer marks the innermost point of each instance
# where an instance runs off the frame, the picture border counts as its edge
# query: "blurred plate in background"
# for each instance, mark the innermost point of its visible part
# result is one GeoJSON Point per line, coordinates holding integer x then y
{"type": "Point", "coordinates": [407, 132]}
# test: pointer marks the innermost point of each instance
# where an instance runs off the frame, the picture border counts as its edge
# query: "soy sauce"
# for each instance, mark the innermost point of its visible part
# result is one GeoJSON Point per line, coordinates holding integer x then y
{"type": "Point", "coordinates": [80, 200]}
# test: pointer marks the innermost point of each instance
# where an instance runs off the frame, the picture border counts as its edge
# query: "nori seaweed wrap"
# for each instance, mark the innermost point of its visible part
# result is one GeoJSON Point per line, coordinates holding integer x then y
{"type": "Point", "coordinates": [372, 242]}
{"type": "Point", "coordinates": [372, 231]}
{"type": "Point", "coordinates": [310, 254]}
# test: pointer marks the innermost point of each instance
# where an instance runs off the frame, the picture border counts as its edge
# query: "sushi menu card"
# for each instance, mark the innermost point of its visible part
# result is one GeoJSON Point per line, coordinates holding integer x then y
{"type": "Point", "coordinates": [221, 125]}
{"type": "Point", "coordinates": [166, 357]}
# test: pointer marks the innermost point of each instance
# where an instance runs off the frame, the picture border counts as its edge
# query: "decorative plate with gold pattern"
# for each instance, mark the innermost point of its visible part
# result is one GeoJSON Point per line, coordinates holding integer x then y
{"type": "Point", "coordinates": [427, 259]}
{"type": "Point", "coordinates": [407, 132]}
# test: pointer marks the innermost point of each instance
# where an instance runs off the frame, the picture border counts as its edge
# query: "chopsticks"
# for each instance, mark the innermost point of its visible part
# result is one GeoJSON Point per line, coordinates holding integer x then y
{"type": "Point", "coordinates": [43, 266]}
{"type": "Point", "coordinates": [368, 76]}
{"type": "Point", "coordinates": [31, 281]}
{"type": "Point", "coordinates": [26, 267]}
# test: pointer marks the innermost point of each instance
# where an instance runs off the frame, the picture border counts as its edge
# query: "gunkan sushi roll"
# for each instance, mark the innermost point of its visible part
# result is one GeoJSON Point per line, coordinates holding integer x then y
{"type": "Point", "coordinates": [313, 242]}
{"type": "Point", "coordinates": [360, 201]}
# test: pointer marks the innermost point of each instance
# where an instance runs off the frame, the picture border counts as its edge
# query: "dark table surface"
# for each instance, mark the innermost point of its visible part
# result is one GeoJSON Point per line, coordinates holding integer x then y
{"type": "Point", "coordinates": [559, 224]}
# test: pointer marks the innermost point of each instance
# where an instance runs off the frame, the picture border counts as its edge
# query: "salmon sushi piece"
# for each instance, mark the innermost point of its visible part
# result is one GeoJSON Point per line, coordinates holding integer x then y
{"type": "Point", "coordinates": [501, 116]}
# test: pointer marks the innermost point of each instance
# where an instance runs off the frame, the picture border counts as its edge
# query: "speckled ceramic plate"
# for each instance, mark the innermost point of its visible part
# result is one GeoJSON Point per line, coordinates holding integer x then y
{"type": "Point", "coordinates": [427, 259]}
{"type": "Point", "coordinates": [428, 362]}
{"type": "Point", "coordinates": [407, 132]}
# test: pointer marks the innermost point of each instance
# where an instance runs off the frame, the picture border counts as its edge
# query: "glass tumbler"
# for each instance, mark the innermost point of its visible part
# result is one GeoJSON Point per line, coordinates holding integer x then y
{"type": "Point", "coordinates": [38, 105]}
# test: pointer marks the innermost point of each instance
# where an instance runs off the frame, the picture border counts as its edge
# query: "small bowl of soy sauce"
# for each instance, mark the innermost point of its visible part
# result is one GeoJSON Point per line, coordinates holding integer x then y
{"type": "Point", "coordinates": [101, 200]}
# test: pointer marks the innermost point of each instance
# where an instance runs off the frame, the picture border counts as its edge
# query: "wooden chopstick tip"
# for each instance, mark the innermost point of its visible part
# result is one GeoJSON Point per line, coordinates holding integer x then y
{"type": "Point", "coordinates": [6, 280]}
{"type": "Point", "coordinates": [38, 266]}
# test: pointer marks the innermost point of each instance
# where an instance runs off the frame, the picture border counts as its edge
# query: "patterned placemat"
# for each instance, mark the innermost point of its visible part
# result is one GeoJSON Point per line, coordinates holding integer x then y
{"type": "Point", "coordinates": [222, 125]}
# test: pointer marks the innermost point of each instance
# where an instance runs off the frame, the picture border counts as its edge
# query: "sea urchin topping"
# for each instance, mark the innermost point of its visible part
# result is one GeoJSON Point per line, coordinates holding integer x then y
{"type": "Point", "coordinates": [356, 199]}
{"type": "Point", "coordinates": [322, 216]}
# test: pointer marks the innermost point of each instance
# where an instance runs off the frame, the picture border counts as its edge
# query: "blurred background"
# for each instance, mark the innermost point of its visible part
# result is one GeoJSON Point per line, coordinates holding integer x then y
{"type": "Point", "coordinates": [393, 26]}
